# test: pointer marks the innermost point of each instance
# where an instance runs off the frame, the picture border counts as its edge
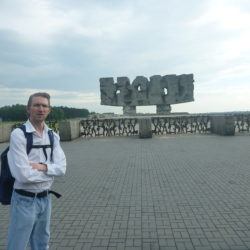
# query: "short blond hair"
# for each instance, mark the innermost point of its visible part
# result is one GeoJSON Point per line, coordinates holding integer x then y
{"type": "Point", "coordinates": [40, 94]}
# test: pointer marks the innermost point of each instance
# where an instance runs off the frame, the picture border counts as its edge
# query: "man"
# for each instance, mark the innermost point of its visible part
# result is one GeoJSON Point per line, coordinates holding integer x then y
{"type": "Point", "coordinates": [34, 174]}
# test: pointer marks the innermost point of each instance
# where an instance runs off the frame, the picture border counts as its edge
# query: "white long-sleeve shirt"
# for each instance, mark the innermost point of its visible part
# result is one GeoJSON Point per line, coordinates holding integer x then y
{"type": "Point", "coordinates": [31, 179]}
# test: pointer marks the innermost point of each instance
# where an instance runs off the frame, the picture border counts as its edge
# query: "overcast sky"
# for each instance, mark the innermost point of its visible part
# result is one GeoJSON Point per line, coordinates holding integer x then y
{"type": "Point", "coordinates": [65, 46]}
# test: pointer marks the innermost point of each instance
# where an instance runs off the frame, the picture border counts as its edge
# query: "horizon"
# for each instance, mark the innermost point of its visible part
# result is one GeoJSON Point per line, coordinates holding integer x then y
{"type": "Point", "coordinates": [141, 113]}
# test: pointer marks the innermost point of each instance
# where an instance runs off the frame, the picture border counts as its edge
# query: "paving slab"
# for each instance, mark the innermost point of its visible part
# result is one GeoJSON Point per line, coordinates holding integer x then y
{"type": "Point", "coordinates": [168, 192]}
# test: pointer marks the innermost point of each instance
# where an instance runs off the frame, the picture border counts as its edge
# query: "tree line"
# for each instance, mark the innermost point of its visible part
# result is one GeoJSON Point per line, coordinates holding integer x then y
{"type": "Point", "coordinates": [18, 112]}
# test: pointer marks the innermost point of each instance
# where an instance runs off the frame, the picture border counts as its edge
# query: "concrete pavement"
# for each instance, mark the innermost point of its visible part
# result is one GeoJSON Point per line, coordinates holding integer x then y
{"type": "Point", "coordinates": [171, 192]}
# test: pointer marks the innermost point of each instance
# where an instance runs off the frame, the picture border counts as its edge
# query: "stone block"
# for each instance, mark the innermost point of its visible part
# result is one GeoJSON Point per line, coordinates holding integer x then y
{"type": "Point", "coordinates": [145, 130]}
{"type": "Point", "coordinates": [69, 129]}
{"type": "Point", "coordinates": [222, 125]}
{"type": "Point", "coordinates": [5, 130]}
{"type": "Point", "coordinates": [158, 90]}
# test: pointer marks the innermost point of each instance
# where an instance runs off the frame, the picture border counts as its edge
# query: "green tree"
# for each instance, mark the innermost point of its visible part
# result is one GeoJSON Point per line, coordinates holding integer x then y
{"type": "Point", "coordinates": [56, 114]}
{"type": "Point", "coordinates": [18, 112]}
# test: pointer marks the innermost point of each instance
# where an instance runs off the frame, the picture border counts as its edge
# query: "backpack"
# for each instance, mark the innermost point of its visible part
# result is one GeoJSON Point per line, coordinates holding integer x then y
{"type": "Point", "coordinates": [6, 179]}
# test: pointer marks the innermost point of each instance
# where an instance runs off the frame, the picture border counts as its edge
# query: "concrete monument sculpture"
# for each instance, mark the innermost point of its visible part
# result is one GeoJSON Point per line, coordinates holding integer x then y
{"type": "Point", "coordinates": [161, 91]}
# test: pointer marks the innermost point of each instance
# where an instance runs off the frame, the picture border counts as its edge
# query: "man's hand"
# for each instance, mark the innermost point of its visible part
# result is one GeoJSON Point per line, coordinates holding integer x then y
{"type": "Point", "coordinates": [39, 166]}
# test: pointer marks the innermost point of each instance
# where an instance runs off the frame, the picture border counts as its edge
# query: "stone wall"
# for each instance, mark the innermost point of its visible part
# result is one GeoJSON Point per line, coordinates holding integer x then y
{"type": "Point", "coordinates": [5, 130]}
{"type": "Point", "coordinates": [145, 126]}
{"type": "Point", "coordinates": [222, 125]}
{"type": "Point", "coordinates": [69, 129]}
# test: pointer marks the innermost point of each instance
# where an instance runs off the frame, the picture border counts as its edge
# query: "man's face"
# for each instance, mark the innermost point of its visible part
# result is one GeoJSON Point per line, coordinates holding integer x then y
{"type": "Point", "coordinates": [39, 109]}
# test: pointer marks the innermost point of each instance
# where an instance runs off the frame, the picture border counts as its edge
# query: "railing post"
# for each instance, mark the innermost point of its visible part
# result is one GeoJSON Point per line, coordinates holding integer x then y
{"type": "Point", "coordinates": [5, 130]}
{"type": "Point", "coordinates": [222, 124]}
{"type": "Point", "coordinates": [145, 130]}
{"type": "Point", "coordinates": [69, 130]}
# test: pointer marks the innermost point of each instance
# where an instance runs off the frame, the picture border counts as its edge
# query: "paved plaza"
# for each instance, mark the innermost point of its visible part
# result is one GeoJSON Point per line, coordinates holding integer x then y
{"type": "Point", "coordinates": [169, 192]}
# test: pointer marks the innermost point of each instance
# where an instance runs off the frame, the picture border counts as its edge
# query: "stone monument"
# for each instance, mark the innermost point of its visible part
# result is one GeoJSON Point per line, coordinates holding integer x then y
{"type": "Point", "coordinates": [161, 91]}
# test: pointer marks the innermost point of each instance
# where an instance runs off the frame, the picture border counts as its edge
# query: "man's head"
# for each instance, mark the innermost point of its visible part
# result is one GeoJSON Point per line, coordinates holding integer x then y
{"type": "Point", "coordinates": [38, 107]}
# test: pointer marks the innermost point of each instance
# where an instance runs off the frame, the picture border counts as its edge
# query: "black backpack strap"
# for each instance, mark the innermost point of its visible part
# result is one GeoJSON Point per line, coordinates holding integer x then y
{"type": "Point", "coordinates": [44, 149]}
{"type": "Point", "coordinates": [29, 138]}
{"type": "Point", "coordinates": [51, 139]}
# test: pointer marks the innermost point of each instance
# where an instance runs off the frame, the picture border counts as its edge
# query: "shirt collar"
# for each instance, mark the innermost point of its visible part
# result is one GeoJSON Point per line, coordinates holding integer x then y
{"type": "Point", "coordinates": [30, 128]}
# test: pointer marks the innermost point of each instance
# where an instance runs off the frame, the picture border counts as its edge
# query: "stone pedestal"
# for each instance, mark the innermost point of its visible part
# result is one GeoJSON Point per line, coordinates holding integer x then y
{"type": "Point", "coordinates": [222, 125]}
{"type": "Point", "coordinates": [163, 109]}
{"type": "Point", "coordinates": [129, 110]}
{"type": "Point", "coordinates": [5, 130]}
{"type": "Point", "coordinates": [145, 130]}
{"type": "Point", "coordinates": [69, 130]}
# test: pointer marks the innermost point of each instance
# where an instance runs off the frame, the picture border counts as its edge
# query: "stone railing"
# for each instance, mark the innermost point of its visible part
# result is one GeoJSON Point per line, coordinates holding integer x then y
{"type": "Point", "coordinates": [242, 122]}
{"type": "Point", "coordinates": [181, 124]}
{"type": "Point", "coordinates": [159, 125]}
{"type": "Point", "coordinates": [109, 127]}
{"type": "Point", "coordinates": [52, 124]}
{"type": "Point", "coordinates": [144, 127]}
{"type": "Point", "coordinates": [5, 130]}
{"type": "Point", "coordinates": [223, 123]}
{"type": "Point", "coordinates": [7, 127]}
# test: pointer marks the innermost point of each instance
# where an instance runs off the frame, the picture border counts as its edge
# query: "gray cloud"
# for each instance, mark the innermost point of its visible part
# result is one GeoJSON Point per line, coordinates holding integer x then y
{"type": "Point", "coordinates": [68, 45]}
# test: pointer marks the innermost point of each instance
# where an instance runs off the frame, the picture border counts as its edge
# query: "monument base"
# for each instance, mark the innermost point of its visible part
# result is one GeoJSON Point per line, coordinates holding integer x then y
{"type": "Point", "coordinates": [129, 110]}
{"type": "Point", "coordinates": [163, 109]}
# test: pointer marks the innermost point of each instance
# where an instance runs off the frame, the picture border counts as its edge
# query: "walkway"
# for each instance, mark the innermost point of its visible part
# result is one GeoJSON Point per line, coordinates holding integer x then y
{"type": "Point", "coordinates": [171, 192]}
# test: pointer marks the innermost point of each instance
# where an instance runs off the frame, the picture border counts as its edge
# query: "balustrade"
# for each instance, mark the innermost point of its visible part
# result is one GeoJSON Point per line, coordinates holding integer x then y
{"type": "Point", "coordinates": [242, 122]}
{"type": "Point", "coordinates": [161, 125]}
{"type": "Point", "coordinates": [180, 124]}
{"type": "Point", "coordinates": [109, 127]}
{"type": "Point", "coordinates": [188, 124]}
